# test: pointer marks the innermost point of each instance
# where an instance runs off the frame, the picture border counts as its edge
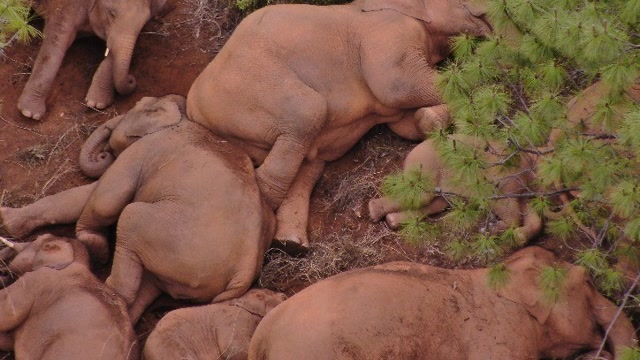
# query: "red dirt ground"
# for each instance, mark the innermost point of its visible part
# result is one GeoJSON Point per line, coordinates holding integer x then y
{"type": "Point", "coordinates": [40, 158]}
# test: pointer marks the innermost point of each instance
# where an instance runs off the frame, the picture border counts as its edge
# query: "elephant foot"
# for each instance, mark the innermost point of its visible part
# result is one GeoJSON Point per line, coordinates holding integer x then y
{"type": "Point", "coordinates": [98, 98]}
{"type": "Point", "coordinates": [377, 210]}
{"type": "Point", "coordinates": [14, 224]}
{"type": "Point", "coordinates": [32, 106]}
{"type": "Point", "coordinates": [96, 244]}
{"type": "Point", "coordinates": [433, 118]}
{"type": "Point", "coordinates": [394, 220]}
{"type": "Point", "coordinates": [295, 248]}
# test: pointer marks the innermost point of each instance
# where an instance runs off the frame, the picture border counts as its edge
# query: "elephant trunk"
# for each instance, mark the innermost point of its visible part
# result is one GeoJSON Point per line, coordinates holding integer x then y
{"type": "Point", "coordinates": [122, 50]}
{"type": "Point", "coordinates": [95, 157]}
{"type": "Point", "coordinates": [621, 333]}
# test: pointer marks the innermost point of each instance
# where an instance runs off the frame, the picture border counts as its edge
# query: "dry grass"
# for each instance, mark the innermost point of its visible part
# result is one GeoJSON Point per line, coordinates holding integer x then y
{"type": "Point", "coordinates": [335, 254]}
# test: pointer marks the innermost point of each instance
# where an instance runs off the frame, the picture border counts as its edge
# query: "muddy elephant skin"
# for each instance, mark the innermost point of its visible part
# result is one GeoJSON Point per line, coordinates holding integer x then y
{"type": "Point", "coordinates": [511, 212]}
{"type": "Point", "coordinates": [404, 310]}
{"type": "Point", "coordinates": [117, 21]}
{"type": "Point", "coordinates": [190, 218]}
{"type": "Point", "coordinates": [216, 331]}
{"type": "Point", "coordinates": [299, 85]}
{"type": "Point", "coordinates": [57, 309]}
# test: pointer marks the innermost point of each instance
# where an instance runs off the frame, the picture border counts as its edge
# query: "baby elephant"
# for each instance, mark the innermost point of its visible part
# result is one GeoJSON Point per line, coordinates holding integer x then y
{"type": "Point", "coordinates": [510, 211]}
{"type": "Point", "coordinates": [191, 220]}
{"type": "Point", "coordinates": [403, 310]}
{"type": "Point", "coordinates": [216, 331]}
{"type": "Point", "coordinates": [58, 310]}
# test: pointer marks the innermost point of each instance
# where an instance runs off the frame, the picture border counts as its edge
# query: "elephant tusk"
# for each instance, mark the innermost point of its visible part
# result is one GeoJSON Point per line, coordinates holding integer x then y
{"type": "Point", "coordinates": [7, 242]}
{"type": "Point", "coordinates": [106, 52]}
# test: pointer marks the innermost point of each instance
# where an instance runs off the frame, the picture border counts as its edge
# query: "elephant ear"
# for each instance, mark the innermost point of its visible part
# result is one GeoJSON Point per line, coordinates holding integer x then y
{"type": "Point", "coordinates": [155, 115]}
{"type": "Point", "coordinates": [524, 286]}
{"type": "Point", "coordinates": [259, 301]}
{"type": "Point", "coordinates": [412, 8]}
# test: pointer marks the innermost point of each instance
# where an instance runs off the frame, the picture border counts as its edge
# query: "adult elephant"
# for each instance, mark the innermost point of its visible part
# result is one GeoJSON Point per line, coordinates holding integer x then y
{"type": "Point", "coordinates": [403, 310]}
{"type": "Point", "coordinates": [299, 85]}
{"type": "Point", "coordinates": [117, 21]}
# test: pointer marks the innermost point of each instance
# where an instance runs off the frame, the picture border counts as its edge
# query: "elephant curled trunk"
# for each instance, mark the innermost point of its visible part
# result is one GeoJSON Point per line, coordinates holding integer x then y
{"type": "Point", "coordinates": [621, 333]}
{"type": "Point", "coordinates": [95, 156]}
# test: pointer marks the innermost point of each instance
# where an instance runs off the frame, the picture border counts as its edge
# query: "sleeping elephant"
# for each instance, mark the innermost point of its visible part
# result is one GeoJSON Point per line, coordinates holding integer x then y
{"type": "Point", "coordinates": [215, 331]}
{"type": "Point", "coordinates": [404, 310]}
{"type": "Point", "coordinates": [299, 85]}
{"type": "Point", "coordinates": [57, 309]}
{"type": "Point", "coordinates": [190, 218]}
{"type": "Point", "coordinates": [117, 21]}
{"type": "Point", "coordinates": [511, 212]}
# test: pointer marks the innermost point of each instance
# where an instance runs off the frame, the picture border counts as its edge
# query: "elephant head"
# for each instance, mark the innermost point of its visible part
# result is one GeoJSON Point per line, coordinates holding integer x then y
{"type": "Point", "coordinates": [447, 17]}
{"type": "Point", "coordinates": [149, 115]}
{"type": "Point", "coordinates": [580, 315]}
{"type": "Point", "coordinates": [119, 22]}
{"type": "Point", "coordinates": [259, 301]}
{"type": "Point", "coordinates": [47, 250]}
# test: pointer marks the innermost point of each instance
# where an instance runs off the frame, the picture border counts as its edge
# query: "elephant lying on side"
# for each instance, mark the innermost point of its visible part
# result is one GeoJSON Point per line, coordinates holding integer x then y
{"type": "Point", "coordinates": [191, 220]}
{"type": "Point", "coordinates": [117, 21]}
{"type": "Point", "coordinates": [295, 94]}
{"type": "Point", "coordinates": [216, 331]}
{"type": "Point", "coordinates": [510, 211]}
{"type": "Point", "coordinates": [57, 309]}
{"type": "Point", "coordinates": [403, 310]}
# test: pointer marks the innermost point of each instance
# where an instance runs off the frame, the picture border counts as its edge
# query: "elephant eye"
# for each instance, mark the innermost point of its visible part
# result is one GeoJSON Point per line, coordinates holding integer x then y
{"type": "Point", "coordinates": [112, 14]}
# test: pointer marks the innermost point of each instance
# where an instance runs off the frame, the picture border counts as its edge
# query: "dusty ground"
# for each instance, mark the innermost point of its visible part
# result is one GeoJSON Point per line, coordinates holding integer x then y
{"type": "Point", "coordinates": [40, 158]}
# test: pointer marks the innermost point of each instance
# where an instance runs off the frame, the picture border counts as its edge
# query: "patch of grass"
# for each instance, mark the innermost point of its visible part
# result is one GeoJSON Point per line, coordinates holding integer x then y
{"type": "Point", "coordinates": [34, 156]}
{"type": "Point", "coordinates": [330, 256]}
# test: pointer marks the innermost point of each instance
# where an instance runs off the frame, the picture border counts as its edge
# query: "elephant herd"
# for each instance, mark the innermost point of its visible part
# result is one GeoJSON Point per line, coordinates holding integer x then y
{"type": "Point", "coordinates": [200, 187]}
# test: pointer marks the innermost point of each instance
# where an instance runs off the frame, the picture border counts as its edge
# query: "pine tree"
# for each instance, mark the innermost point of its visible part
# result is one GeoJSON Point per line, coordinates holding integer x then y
{"type": "Point", "coordinates": [515, 88]}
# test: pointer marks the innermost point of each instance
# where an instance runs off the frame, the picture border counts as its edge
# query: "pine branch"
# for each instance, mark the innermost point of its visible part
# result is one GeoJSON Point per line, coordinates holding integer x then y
{"type": "Point", "coordinates": [625, 298]}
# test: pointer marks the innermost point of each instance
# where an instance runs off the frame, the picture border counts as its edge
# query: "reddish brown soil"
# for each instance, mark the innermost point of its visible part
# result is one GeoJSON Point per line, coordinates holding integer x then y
{"type": "Point", "coordinates": [40, 158]}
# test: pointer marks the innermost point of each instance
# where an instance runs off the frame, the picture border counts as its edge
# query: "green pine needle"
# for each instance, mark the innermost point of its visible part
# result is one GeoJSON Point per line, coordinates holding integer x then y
{"type": "Point", "coordinates": [610, 281]}
{"type": "Point", "coordinates": [593, 260]}
{"type": "Point", "coordinates": [416, 231]}
{"type": "Point", "coordinates": [630, 353]}
{"type": "Point", "coordinates": [458, 249]}
{"type": "Point", "coordinates": [563, 228]}
{"type": "Point", "coordinates": [498, 276]}
{"type": "Point", "coordinates": [407, 188]}
{"type": "Point", "coordinates": [551, 282]}
{"type": "Point", "coordinates": [630, 12]}
{"type": "Point", "coordinates": [625, 199]}
{"type": "Point", "coordinates": [632, 230]}
{"type": "Point", "coordinates": [486, 247]}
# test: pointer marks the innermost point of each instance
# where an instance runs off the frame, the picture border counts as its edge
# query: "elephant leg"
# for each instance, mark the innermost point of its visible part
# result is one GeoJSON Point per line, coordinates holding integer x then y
{"type": "Point", "coordinates": [100, 94]}
{"type": "Point", "coordinates": [6, 342]}
{"type": "Point", "coordinates": [531, 225]}
{"type": "Point", "coordinates": [293, 215]}
{"type": "Point", "coordinates": [59, 32]}
{"type": "Point", "coordinates": [147, 293]}
{"type": "Point", "coordinates": [416, 125]}
{"type": "Point", "coordinates": [379, 208]}
{"type": "Point", "coordinates": [115, 190]}
{"type": "Point", "coordinates": [62, 208]}
{"type": "Point", "coordinates": [280, 167]}
{"type": "Point", "coordinates": [395, 219]}
{"type": "Point", "coordinates": [126, 274]}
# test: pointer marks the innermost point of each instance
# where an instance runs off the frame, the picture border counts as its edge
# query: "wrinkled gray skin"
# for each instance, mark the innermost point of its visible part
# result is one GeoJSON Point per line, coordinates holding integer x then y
{"type": "Point", "coordinates": [216, 331]}
{"type": "Point", "coordinates": [191, 220]}
{"type": "Point", "coordinates": [117, 21]}
{"type": "Point", "coordinates": [57, 309]}
{"type": "Point", "coordinates": [321, 77]}
{"type": "Point", "coordinates": [404, 310]}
